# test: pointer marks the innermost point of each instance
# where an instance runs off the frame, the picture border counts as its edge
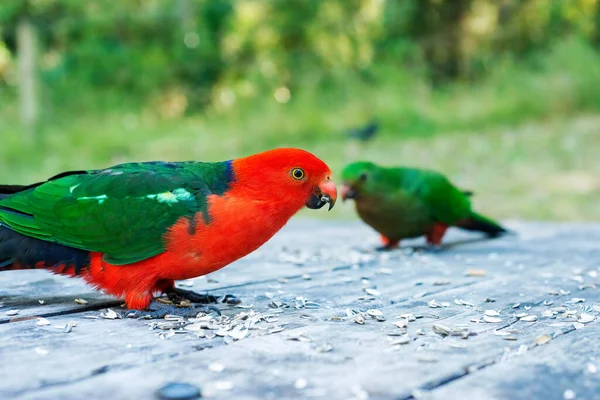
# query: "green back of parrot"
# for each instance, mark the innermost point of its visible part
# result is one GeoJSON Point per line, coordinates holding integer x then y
{"type": "Point", "coordinates": [123, 211]}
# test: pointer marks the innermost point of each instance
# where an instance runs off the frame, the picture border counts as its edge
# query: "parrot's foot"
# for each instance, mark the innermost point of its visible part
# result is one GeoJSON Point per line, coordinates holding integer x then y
{"type": "Point", "coordinates": [157, 310]}
{"type": "Point", "coordinates": [178, 295]}
{"type": "Point", "coordinates": [434, 248]}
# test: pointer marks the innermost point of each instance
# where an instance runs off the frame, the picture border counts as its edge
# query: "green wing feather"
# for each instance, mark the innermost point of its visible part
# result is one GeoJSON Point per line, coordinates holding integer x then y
{"type": "Point", "coordinates": [444, 202]}
{"type": "Point", "coordinates": [123, 211]}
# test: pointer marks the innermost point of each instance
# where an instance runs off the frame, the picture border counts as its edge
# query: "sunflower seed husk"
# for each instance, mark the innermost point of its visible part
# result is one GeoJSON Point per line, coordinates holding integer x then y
{"type": "Point", "coordinates": [42, 322]}
{"type": "Point", "coordinates": [476, 272]}
{"type": "Point", "coordinates": [442, 329]}
{"type": "Point", "coordinates": [585, 318]}
{"type": "Point", "coordinates": [575, 300]}
{"type": "Point", "coordinates": [10, 313]}
{"type": "Point", "coordinates": [401, 340]}
{"type": "Point", "coordinates": [403, 323]}
{"type": "Point", "coordinates": [529, 318]}
{"type": "Point", "coordinates": [372, 292]}
{"type": "Point", "coordinates": [359, 319]}
{"type": "Point", "coordinates": [492, 313]}
{"type": "Point", "coordinates": [42, 302]}
{"type": "Point", "coordinates": [543, 339]}
{"type": "Point", "coordinates": [491, 320]}
{"type": "Point", "coordinates": [216, 367]}
{"type": "Point", "coordinates": [81, 301]}
{"type": "Point", "coordinates": [516, 305]}
{"type": "Point", "coordinates": [592, 368]}
{"type": "Point", "coordinates": [374, 313]}
{"type": "Point", "coordinates": [109, 314]}
{"type": "Point", "coordinates": [509, 337]}
{"type": "Point", "coordinates": [521, 315]}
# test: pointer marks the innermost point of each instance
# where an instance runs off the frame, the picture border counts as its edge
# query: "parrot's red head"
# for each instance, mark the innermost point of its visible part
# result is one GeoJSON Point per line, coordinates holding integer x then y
{"type": "Point", "coordinates": [289, 177]}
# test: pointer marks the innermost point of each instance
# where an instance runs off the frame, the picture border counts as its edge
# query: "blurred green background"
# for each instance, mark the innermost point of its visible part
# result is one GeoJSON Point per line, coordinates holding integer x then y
{"type": "Point", "coordinates": [501, 95]}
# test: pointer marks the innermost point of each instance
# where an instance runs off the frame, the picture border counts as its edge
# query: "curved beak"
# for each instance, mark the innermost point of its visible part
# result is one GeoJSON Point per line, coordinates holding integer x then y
{"type": "Point", "coordinates": [347, 192]}
{"type": "Point", "coordinates": [325, 193]}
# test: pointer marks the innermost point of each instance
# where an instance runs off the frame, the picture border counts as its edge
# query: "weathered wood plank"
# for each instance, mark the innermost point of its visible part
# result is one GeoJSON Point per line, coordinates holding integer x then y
{"type": "Point", "coordinates": [94, 360]}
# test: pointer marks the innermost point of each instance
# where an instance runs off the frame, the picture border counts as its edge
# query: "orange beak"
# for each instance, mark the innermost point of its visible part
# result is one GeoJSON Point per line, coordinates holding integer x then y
{"type": "Point", "coordinates": [325, 193]}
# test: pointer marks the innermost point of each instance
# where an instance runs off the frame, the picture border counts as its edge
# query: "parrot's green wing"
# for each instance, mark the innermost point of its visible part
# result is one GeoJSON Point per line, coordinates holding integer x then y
{"type": "Point", "coordinates": [123, 211]}
{"type": "Point", "coordinates": [444, 202]}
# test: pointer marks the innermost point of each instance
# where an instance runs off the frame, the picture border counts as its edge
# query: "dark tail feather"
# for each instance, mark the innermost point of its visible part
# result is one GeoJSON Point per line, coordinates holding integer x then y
{"type": "Point", "coordinates": [18, 251]}
{"type": "Point", "coordinates": [479, 223]}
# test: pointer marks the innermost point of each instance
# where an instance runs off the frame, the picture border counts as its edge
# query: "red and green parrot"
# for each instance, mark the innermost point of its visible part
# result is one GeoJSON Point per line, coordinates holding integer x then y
{"type": "Point", "coordinates": [131, 230]}
{"type": "Point", "coordinates": [402, 203]}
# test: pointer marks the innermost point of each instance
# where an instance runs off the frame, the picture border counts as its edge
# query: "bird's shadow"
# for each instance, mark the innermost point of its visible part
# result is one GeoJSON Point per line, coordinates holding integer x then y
{"type": "Point", "coordinates": [445, 246]}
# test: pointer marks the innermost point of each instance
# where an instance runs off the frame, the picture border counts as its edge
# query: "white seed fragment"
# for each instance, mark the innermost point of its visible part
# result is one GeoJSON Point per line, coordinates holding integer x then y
{"type": "Point", "coordinates": [592, 368]}
{"type": "Point", "coordinates": [492, 320]}
{"type": "Point", "coordinates": [81, 301]}
{"type": "Point", "coordinates": [374, 313]}
{"type": "Point", "coordinates": [216, 367]}
{"type": "Point", "coordinates": [401, 340]}
{"type": "Point", "coordinates": [529, 318]}
{"type": "Point", "coordinates": [109, 314]}
{"type": "Point", "coordinates": [585, 318]}
{"type": "Point", "coordinates": [41, 351]}
{"type": "Point", "coordinates": [42, 321]}
{"type": "Point", "coordinates": [300, 383]}
{"type": "Point", "coordinates": [359, 319]}
{"type": "Point", "coordinates": [372, 292]}
{"type": "Point", "coordinates": [42, 302]}
{"type": "Point", "coordinates": [569, 394]}
{"type": "Point", "coordinates": [547, 314]}
{"type": "Point", "coordinates": [223, 385]}
{"type": "Point", "coordinates": [578, 325]}
{"type": "Point", "coordinates": [543, 339]}
{"type": "Point", "coordinates": [10, 313]}
{"type": "Point", "coordinates": [491, 313]}
{"type": "Point", "coordinates": [403, 323]}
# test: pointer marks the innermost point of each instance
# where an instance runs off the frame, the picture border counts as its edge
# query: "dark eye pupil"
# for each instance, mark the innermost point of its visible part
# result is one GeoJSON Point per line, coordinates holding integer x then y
{"type": "Point", "coordinates": [298, 173]}
{"type": "Point", "coordinates": [363, 177]}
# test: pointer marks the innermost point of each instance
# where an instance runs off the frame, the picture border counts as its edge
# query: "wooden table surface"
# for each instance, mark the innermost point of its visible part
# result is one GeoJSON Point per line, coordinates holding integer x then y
{"type": "Point", "coordinates": [323, 317]}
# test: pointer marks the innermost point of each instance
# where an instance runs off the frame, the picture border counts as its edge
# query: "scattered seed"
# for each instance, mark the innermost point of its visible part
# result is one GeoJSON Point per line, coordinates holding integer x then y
{"type": "Point", "coordinates": [529, 318]}
{"type": "Point", "coordinates": [42, 302]}
{"type": "Point", "coordinates": [401, 340]}
{"type": "Point", "coordinates": [216, 367]}
{"type": "Point", "coordinates": [543, 339]}
{"type": "Point", "coordinates": [569, 394]}
{"type": "Point", "coordinates": [565, 292]}
{"type": "Point", "coordinates": [547, 303]}
{"type": "Point", "coordinates": [578, 325]}
{"type": "Point", "coordinates": [323, 348]}
{"type": "Point", "coordinates": [306, 277]}
{"type": "Point", "coordinates": [10, 313]}
{"type": "Point", "coordinates": [441, 329]}
{"type": "Point", "coordinates": [476, 272]}
{"type": "Point", "coordinates": [491, 313]}
{"type": "Point", "coordinates": [521, 315]}
{"type": "Point", "coordinates": [592, 368]}
{"type": "Point", "coordinates": [109, 314]}
{"type": "Point", "coordinates": [516, 305]}
{"type": "Point", "coordinates": [492, 320]}
{"type": "Point", "coordinates": [300, 383]}
{"type": "Point", "coordinates": [41, 351]}
{"type": "Point", "coordinates": [547, 314]}
{"type": "Point", "coordinates": [585, 318]}
{"type": "Point", "coordinates": [374, 313]}
{"type": "Point", "coordinates": [42, 322]}
{"type": "Point", "coordinates": [372, 292]}
{"type": "Point", "coordinates": [81, 301]}
{"type": "Point", "coordinates": [359, 319]}
{"type": "Point", "coordinates": [403, 323]}
{"type": "Point", "coordinates": [223, 385]}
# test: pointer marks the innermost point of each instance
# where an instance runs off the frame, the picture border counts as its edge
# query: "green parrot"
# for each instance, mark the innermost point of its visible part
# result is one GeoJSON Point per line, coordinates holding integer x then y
{"type": "Point", "coordinates": [402, 203]}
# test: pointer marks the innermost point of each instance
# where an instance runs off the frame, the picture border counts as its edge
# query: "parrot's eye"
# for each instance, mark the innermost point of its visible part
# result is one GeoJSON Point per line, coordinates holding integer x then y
{"type": "Point", "coordinates": [363, 177]}
{"type": "Point", "coordinates": [297, 173]}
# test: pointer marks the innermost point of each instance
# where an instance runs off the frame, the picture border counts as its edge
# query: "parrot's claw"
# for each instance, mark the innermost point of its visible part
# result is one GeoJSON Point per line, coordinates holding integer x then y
{"type": "Point", "coordinates": [177, 295]}
{"type": "Point", "coordinates": [158, 310]}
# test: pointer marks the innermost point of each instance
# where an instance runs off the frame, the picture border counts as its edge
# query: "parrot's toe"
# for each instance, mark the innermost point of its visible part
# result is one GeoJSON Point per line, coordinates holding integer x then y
{"type": "Point", "coordinates": [177, 295]}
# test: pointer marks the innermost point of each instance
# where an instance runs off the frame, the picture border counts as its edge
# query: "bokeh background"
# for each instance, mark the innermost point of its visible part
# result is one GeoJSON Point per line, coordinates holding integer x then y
{"type": "Point", "coordinates": [501, 95]}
